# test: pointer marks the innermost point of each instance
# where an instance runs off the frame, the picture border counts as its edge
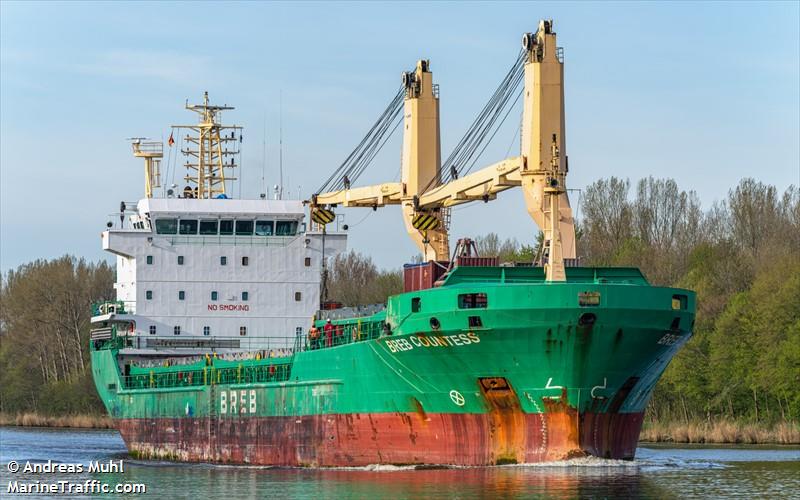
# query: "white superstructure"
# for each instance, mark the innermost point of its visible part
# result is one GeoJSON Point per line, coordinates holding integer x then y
{"type": "Point", "coordinates": [201, 271]}
{"type": "Point", "coordinates": [237, 272]}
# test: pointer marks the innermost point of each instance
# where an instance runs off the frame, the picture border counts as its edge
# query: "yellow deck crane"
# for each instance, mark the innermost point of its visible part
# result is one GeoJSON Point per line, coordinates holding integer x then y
{"type": "Point", "coordinates": [427, 190]}
{"type": "Point", "coordinates": [152, 152]}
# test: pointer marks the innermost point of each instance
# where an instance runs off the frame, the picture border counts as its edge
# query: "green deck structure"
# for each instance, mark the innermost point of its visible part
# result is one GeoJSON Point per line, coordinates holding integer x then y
{"type": "Point", "coordinates": [495, 365]}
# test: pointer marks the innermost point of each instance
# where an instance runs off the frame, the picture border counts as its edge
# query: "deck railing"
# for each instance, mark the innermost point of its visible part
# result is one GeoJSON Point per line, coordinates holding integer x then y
{"type": "Point", "coordinates": [209, 375]}
{"type": "Point", "coordinates": [251, 367]}
{"type": "Point", "coordinates": [342, 334]}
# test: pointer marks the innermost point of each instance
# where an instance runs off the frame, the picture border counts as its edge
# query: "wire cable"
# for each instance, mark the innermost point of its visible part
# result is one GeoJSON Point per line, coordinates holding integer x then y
{"type": "Point", "coordinates": [370, 145]}
{"type": "Point", "coordinates": [484, 127]}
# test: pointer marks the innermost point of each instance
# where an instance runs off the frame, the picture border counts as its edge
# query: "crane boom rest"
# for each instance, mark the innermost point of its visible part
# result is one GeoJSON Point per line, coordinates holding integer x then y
{"type": "Point", "coordinates": [540, 170]}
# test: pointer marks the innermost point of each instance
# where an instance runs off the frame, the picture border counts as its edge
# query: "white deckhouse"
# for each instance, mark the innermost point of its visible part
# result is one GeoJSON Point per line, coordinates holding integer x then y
{"type": "Point", "coordinates": [199, 271]}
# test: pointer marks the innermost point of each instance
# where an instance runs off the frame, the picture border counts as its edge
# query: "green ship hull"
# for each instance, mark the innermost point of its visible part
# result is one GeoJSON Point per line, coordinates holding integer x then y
{"type": "Point", "coordinates": [495, 366]}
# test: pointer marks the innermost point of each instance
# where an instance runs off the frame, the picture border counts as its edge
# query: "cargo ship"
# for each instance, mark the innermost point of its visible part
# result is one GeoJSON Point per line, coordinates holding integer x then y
{"type": "Point", "coordinates": [223, 345]}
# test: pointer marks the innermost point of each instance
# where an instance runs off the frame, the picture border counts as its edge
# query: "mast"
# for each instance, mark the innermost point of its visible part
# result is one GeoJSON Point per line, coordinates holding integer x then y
{"type": "Point", "coordinates": [210, 152]}
{"type": "Point", "coordinates": [280, 144]}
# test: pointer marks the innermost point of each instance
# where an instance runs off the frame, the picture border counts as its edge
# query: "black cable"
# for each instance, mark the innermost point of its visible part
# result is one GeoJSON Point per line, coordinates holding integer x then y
{"type": "Point", "coordinates": [519, 94]}
{"type": "Point", "coordinates": [469, 161]}
{"type": "Point", "coordinates": [362, 160]}
{"type": "Point", "coordinates": [463, 157]}
{"type": "Point", "coordinates": [478, 135]}
{"type": "Point", "coordinates": [358, 159]}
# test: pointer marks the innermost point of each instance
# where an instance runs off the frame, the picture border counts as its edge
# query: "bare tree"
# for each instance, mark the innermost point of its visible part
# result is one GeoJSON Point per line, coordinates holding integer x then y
{"type": "Point", "coordinates": [355, 280]}
{"type": "Point", "coordinates": [606, 219]}
{"type": "Point", "coordinates": [754, 212]}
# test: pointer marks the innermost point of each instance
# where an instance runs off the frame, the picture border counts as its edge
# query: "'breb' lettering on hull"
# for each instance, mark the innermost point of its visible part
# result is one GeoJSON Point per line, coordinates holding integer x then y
{"type": "Point", "coordinates": [237, 402]}
{"type": "Point", "coordinates": [455, 340]}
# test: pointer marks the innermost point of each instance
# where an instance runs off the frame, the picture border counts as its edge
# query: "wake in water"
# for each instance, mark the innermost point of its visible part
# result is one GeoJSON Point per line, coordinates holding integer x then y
{"type": "Point", "coordinates": [578, 464]}
{"type": "Point", "coordinates": [581, 462]}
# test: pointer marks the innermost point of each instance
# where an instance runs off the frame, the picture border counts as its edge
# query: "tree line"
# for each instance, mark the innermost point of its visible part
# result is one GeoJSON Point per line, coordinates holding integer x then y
{"type": "Point", "coordinates": [741, 255]}
{"type": "Point", "coordinates": [45, 308]}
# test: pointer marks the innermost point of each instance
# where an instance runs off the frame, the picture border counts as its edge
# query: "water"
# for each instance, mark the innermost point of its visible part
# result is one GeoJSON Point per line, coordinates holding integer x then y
{"type": "Point", "coordinates": [657, 472]}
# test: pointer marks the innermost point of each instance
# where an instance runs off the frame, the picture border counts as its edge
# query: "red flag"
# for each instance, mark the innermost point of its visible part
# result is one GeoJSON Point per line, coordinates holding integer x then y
{"type": "Point", "coordinates": [171, 141]}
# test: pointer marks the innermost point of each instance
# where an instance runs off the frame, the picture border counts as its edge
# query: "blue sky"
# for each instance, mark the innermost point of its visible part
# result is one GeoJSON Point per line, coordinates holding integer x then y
{"type": "Point", "coordinates": [705, 93]}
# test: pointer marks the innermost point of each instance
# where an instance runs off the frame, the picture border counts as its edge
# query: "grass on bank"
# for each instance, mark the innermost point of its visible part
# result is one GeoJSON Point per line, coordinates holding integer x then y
{"type": "Point", "coordinates": [82, 421]}
{"type": "Point", "coordinates": [721, 432]}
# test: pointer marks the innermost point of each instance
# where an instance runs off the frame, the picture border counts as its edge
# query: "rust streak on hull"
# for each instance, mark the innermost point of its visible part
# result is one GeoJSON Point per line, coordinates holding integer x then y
{"type": "Point", "coordinates": [396, 438]}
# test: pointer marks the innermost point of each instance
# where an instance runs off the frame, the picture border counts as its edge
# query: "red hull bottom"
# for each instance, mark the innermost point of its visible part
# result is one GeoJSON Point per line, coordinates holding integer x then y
{"type": "Point", "coordinates": [336, 440]}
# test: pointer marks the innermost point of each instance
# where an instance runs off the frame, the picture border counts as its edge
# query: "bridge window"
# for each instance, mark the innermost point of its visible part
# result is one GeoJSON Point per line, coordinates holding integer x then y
{"type": "Point", "coordinates": [208, 227]}
{"type": "Point", "coordinates": [298, 296]}
{"type": "Point", "coordinates": [244, 228]}
{"type": "Point", "coordinates": [223, 261]}
{"type": "Point", "coordinates": [188, 226]}
{"type": "Point", "coordinates": [176, 330]}
{"type": "Point", "coordinates": [181, 295]}
{"type": "Point", "coordinates": [286, 228]}
{"type": "Point", "coordinates": [416, 304]}
{"type": "Point", "coordinates": [264, 228]}
{"type": "Point", "coordinates": [149, 260]}
{"type": "Point", "coordinates": [148, 295]}
{"type": "Point", "coordinates": [166, 226]}
{"type": "Point", "coordinates": [214, 295]}
{"type": "Point", "coordinates": [242, 331]}
{"type": "Point", "coordinates": [226, 227]}
{"type": "Point", "coordinates": [152, 329]}
{"type": "Point", "coordinates": [472, 301]}
{"type": "Point", "coordinates": [180, 260]}
{"type": "Point", "coordinates": [245, 261]}
{"type": "Point", "coordinates": [245, 296]}
{"type": "Point", "coordinates": [206, 331]}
